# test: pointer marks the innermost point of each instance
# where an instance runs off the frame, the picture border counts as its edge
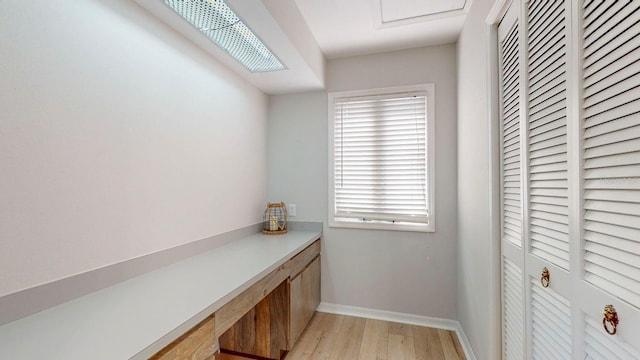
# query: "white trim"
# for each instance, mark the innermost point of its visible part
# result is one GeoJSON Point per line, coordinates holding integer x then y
{"type": "Point", "coordinates": [495, 16]}
{"type": "Point", "coordinates": [464, 342]}
{"type": "Point", "coordinates": [498, 11]}
{"type": "Point", "coordinates": [380, 226]}
{"type": "Point", "coordinates": [495, 259]}
{"type": "Point", "coordinates": [376, 11]}
{"type": "Point", "coordinates": [403, 318]}
{"type": "Point", "coordinates": [575, 173]}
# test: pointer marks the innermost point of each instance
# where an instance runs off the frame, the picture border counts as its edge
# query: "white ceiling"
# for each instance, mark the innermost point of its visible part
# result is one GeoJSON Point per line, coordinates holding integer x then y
{"type": "Point", "coordinates": [279, 25]}
{"type": "Point", "coordinates": [345, 28]}
{"type": "Point", "coordinates": [303, 36]}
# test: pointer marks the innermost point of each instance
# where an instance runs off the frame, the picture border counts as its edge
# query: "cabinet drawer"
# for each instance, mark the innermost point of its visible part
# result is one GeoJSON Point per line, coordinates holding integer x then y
{"type": "Point", "coordinates": [300, 261]}
{"type": "Point", "coordinates": [197, 344]}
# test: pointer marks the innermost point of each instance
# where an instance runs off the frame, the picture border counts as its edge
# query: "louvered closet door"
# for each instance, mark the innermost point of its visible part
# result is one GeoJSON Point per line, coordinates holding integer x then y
{"type": "Point", "coordinates": [547, 194]}
{"type": "Point", "coordinates": [610, 175]}
{"type": "Point", "coordinates": [547, 131]}
{"type": "Point", "coordinates": [511, 133]}
{"type": "Point", "coordinates": [576, 209]}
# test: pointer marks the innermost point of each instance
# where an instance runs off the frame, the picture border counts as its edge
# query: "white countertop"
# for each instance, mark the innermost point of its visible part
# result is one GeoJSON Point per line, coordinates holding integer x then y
{"type": "Point", "coordinates": [136, 318]}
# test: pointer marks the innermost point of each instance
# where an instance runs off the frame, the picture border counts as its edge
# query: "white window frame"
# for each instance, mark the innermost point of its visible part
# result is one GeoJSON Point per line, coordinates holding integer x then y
{"type": "Point", "coordinates": [429, 89]}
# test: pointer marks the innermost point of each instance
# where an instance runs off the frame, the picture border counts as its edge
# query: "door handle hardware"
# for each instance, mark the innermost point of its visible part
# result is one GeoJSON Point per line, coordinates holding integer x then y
{"type": "Point", "coordinates": [611, 317]}
{"type": "Point", "coordinates": [545, 278]}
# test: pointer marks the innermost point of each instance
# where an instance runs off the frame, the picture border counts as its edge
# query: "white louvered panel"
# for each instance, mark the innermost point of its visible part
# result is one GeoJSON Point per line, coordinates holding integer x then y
{"type": "Point", "coordinates": [624, 57]}
{"type": "Point", "coordinates": [605, 87]}
{"type": "Point", "coordinates": [612, 149]}
{"type": "Point", "coordinates": [606, 144]}
{"type": "Point", "coordinates": [513, 312]}
{"type": "Point", "coordinates": [602, 346]}
{"type": "Point", "coordinates": [551, 323]}
{"type": "Point", "coordinates": [625, 260]}
{"type": "Point", "coordinates": [511, 189]}
{"type": "Point", "coordinates": [547, 131]}
{"type": "Point", "coordinates": [607, 30]}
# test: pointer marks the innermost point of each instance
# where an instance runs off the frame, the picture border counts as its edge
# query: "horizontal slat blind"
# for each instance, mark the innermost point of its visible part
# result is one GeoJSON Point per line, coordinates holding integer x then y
{"type": "Point", "coordinates": [513, 312]}
{"type": "Point", "coordinates": [547, 131]}
{"type": "Point", "coordinates": [551, 323]}
{"type": "Point", "coordinates": [380, 169]}
{"type": "Point", "coordinates": [511, 168]}
{"type": "Point", "coordinates": [602, 346]}
{"type": "Point", "coordinates": [612, 149]}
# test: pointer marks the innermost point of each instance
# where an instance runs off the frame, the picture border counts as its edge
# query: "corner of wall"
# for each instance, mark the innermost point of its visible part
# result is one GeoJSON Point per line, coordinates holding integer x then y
{"type": "Point", "coordinates": [476, 248]}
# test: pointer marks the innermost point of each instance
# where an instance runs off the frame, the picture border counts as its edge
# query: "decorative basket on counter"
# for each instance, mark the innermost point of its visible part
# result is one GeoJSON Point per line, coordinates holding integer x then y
{"type": "Point", "coordinates": [275, 219]}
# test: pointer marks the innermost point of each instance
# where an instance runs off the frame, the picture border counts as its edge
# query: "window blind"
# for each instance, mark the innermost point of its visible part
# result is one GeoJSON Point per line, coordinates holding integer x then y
{"type": "Point", "coordinates": [380, 158]}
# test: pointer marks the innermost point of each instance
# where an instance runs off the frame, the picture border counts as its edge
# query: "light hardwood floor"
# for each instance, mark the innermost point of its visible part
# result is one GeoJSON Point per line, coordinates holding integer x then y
{"type": "Point", "coordinates": [338, 337]}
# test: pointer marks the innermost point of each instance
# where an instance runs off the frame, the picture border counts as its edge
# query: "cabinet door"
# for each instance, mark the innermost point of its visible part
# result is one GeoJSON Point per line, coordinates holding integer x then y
{"type": "Point", "coordinates": [305, 298]}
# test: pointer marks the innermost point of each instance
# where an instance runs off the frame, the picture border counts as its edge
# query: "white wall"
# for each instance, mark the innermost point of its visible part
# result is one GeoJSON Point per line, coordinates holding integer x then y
{"type": "Point", "coordinates": [118, 138]}
{"type": "Point", "coordinates": [404, 272]}
{"type": "Point", "coordinates": [475, 248]}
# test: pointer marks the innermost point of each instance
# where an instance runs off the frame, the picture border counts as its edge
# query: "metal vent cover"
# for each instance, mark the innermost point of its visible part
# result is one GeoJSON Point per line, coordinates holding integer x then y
{"type": "Point", "coordinates": [219, 23]}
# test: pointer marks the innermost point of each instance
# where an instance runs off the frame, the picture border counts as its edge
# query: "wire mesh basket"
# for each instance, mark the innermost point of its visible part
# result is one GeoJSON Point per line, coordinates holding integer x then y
{"type": "Point", "coordinates": [275, 219]}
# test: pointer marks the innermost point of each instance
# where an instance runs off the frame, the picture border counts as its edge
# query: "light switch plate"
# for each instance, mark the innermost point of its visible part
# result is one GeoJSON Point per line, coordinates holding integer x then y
{"type": "Point", "coordinates": [292, 209]}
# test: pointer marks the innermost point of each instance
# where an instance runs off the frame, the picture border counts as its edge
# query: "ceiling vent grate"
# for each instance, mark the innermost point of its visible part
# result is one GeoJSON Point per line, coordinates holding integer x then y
{"type": "Point", "coordinates": [218, 22]}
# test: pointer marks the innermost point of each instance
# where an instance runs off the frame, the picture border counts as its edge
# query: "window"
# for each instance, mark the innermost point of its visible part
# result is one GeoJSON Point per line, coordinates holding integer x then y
{"type": "Point", "coordinates": [381, 159]}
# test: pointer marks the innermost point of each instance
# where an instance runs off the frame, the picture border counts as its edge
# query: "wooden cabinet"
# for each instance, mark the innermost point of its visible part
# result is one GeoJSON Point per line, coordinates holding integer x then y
{"type": "Point", "coordinates": [263, 330]}
{"type": "Point", "coordinates": [305, 298]}
{"type": "Point", "coordinates": [269, 329]}
{"type": "Point", "coordinates": [197, 344]}
{"type": "Point", "coordinates": [234, 310]}
{"type": "Point", "coordinates": [264, 321]}
{"type": "Point", "coordinates": [303, 259]}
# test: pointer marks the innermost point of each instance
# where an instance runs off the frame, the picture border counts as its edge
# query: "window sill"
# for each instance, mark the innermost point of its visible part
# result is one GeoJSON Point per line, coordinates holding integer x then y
{"type": "Point", "coordinates": [426, 228]}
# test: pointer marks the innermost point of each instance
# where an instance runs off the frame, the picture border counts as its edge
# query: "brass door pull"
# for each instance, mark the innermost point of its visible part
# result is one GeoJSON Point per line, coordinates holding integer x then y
{"type": "Point", "coordinates": [545, 278]}
{"type": "Point", "coordinates": [611, 317]}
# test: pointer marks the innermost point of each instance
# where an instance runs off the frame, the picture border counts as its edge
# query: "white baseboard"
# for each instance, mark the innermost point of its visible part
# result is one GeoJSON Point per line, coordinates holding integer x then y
{"type": "Point", "coordinates": [438, 323]}
{"type": "Point", "coordinates": [464, 342]}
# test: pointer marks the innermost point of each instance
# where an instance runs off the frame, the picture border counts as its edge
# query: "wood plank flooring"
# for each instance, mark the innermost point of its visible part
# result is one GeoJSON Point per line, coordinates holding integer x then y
{"type": "Point", "coordinates": [338, 337]}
